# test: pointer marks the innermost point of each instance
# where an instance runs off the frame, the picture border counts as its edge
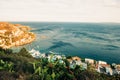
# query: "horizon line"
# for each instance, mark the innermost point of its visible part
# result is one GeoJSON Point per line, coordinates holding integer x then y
{"type": "Point", "coordinates": [65, 21]}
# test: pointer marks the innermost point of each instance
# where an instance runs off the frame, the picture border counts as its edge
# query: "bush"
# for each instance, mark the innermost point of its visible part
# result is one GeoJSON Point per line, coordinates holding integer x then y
{"type": "Point", "coordinates": [23, 52]}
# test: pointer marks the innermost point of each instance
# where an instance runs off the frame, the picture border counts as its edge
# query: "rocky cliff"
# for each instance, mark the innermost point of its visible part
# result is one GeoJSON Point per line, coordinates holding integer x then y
{"type": "Point", "coordinates": [14, 35]}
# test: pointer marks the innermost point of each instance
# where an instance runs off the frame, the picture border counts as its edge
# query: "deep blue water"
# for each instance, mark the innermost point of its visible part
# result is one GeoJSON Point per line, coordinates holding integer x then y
{"type": "Point", "coordinates": [99, 41]}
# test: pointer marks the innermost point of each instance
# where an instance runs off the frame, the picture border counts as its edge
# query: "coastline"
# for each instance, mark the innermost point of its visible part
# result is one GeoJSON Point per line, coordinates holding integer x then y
{"type": "Point", "coordinates": [15, 35]}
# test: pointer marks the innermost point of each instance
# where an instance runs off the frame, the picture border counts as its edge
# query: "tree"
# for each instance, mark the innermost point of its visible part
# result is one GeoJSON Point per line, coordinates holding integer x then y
{"type": "Point", "coordinates": [23, 52]}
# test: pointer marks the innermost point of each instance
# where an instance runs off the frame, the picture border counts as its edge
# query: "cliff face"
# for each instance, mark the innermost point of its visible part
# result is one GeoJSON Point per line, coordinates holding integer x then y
{"type": "Point", "coordinates": [14, 35]}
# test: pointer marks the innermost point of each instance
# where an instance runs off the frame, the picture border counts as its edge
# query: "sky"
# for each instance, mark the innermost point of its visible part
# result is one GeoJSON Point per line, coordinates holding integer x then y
{"type": "Point", "coordinates": [60, 10]}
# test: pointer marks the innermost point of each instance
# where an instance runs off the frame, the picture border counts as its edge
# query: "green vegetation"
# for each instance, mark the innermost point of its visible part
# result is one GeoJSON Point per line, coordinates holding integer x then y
{"type": "Point", "coordinates": [8, 66]}
{"type": "Point", "coordinates": [22, 66]}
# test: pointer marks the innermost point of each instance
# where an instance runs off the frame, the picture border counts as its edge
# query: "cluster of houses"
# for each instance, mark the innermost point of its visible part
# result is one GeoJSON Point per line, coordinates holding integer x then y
{"type": "Point", "coordinates": [99, 66]}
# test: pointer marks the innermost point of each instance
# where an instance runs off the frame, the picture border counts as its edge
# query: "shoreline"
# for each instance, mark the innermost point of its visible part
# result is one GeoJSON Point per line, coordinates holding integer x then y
{"type": "Point", "coordinates": [15, 35]}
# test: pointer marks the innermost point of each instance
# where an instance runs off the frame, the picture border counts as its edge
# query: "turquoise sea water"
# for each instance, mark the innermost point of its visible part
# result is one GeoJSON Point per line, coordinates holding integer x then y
{"type": "Point", "coordinates": [99, 41]}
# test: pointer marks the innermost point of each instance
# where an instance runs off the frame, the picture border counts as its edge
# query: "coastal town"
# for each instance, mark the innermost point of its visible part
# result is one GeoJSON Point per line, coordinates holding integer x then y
{"type": "Point", "coordinates": [51, 64]}
{"type": "Point", "coordinates": [14, 35]}
{"type": "Point", "coordinates": [86, 63]}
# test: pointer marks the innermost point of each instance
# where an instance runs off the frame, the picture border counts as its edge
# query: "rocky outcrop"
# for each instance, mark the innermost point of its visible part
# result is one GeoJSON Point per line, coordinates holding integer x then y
{"type": "Point", "coordinates": [14, 35]}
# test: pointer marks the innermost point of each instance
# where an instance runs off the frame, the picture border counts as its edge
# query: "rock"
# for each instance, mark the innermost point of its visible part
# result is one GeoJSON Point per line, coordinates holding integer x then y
{"type": "Point", "coordinates": [14, 35]}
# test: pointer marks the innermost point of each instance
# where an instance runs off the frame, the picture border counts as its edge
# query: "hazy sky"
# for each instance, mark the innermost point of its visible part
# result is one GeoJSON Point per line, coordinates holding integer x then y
{"type": "Point", "coordinates": [60, 10]}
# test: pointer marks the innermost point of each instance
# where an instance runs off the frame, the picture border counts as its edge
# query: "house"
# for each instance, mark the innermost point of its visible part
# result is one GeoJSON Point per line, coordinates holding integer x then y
{"type": "Point", "coordinates": [78, 62]}
{"type": "Point", "coordinates": [52, 58]}
{"type": "Point", "coordinates": [118, 69]}
{"type": "Point", "coordinates": [109, 71]}
{"type": "Point", "coordinates": [83, 66]}
{"type": "Point", "coordinates": [76, 58]}
{"type": "Point", "coordinates": [104, 68]}
{"type": "Point", "coordinates": [102, 62]}
{"type": "Point", "coordinates": [70, 61]}
{"type": "Point", "coordinates": [89, 61]}
{"type": "Point", "coordinates": [43, 55]}
{"type": "Point", "coordinates": [73, 64]}
{"type": "Point", "coordinates": [58, 56]}
{"type": "Point", "coordinates": [35, 53]}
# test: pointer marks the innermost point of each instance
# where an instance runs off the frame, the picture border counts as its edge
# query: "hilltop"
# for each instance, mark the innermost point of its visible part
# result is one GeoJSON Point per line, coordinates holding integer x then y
{"type": "Point", "coordinates": [14, 35]}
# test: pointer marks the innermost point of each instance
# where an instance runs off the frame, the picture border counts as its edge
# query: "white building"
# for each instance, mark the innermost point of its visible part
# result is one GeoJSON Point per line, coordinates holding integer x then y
{"type": "Point", "coordinates": [104, 68]}
{"type": "Point", "coordinates": [58, 56]}
{"type": "Point", "coordinates": [89, 61]}
{"type": "Point", "coordinates": [109, 70]}
{"type": "Point", "coordinates": [43, 55]}
{"type": "Point", "coordinates": [78, 62]}
{"type": "Point", "coordinates": [102, 62]}
{"type": "Point", "coordinates": [35, 53]}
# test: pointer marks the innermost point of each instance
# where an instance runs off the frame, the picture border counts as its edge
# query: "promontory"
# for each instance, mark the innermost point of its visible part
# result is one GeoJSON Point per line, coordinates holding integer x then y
{"type": "Point", "coordinates": [14, 35]}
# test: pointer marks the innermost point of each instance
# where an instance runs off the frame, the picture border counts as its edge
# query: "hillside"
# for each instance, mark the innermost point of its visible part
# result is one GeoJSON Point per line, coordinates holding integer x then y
{"type": "Point", "coordinates": [14, 35]}
{"type": "Point", "coordinates": [22, 66]}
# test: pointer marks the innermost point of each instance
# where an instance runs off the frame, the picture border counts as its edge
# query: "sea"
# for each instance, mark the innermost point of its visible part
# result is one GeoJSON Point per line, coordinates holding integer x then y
{"type": "Point", "coordinates": [99, 41]}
